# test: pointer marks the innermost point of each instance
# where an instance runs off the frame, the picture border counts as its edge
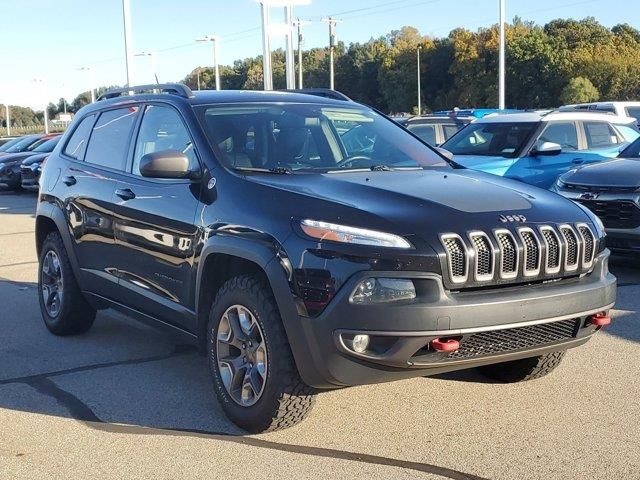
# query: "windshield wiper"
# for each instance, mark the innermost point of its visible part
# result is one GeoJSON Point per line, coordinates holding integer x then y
{"type": "Point", "coordinates": [381, 168]}
{"type": "Point", "coordinates": [275, 170]}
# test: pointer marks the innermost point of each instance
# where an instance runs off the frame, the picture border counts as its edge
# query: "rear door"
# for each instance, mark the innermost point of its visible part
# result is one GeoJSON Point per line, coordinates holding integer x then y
{"type": "Point", "coordinates": [97, 152]}
{"type": "Point", "coordinates": [543, 170]}
{"type": "Point", "coordinates": [154, 225]}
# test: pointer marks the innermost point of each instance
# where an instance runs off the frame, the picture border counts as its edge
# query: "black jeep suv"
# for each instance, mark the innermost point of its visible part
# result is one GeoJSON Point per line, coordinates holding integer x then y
{"type": "Point", "coordinates": [308, 243]}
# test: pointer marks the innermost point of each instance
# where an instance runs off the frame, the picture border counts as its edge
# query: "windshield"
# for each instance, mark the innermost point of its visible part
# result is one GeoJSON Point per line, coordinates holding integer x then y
{"type": "Point", "coordinates": [47, 146]}
{"type": "Point", "coordinates": [311, 138]}
{"type": "Point", "coordinates": [22, 145]}
{"type": "Point", "coordinates": [9, 144]}
{"type": "Point", "coordinates": [491, 139]}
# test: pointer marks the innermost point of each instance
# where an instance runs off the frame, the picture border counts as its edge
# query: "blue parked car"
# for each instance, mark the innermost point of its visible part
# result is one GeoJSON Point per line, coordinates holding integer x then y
{"type": "Point", "coordinates": [537, 147]}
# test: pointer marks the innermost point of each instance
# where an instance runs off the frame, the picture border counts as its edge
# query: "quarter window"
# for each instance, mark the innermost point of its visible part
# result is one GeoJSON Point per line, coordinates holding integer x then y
{"type": "Point", "coordinates": [77, 144]}
{"type": "Point", "coordinates": [600, 135]}
{"type": "Point", "coordinates": [162, 129]}
{"type": "Point", "coordinates": [109, 139]}
{"type": "Point", "coordinates": [564, 134]}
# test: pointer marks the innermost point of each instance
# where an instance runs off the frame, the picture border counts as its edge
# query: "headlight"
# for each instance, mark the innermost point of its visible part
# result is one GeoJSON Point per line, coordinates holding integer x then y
{"type": "Point", "coordinates": [382, 290]}
{"type": "Point", "coordinates": [559, 183]}
{"type": "Point", "coordinates": [344, 234]}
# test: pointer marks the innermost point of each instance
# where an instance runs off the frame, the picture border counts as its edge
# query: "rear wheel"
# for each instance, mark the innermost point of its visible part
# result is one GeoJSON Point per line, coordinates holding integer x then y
{"type": "Point", "coordinates": [64, 309]}
{"type": "Point", "coordinates": [254, 374]}
{"type": "Point", "coordinates": [523, 370]}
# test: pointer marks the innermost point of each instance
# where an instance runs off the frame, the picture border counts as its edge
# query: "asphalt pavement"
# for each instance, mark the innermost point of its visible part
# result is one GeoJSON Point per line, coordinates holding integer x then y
{"type": "Point", "coordinates": [127, 401]}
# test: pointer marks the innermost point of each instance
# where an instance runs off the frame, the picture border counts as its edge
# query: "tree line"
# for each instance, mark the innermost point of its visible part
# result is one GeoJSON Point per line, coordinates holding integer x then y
{"type": "Point", "coordinates": [564, 61]}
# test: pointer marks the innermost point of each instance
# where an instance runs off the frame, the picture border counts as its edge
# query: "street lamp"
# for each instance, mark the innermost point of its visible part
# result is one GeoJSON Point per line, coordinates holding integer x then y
{"type": "Point", "coordinates": [419, 95]}
{"type": "Point", "coordinates": [332, 43]}
{"type": "Point", "coordinates": [90, 71]}
{"type": "Point", "coordinates": [128, 46]}
{"type": "Point", "coordinates": [44, 95]}
{"type": "Point", "coordinates": [213, 39]}
{"type": "Point", "coordinates": [152, 56]}
{"type": "Point", "coordinates": [501, 61]}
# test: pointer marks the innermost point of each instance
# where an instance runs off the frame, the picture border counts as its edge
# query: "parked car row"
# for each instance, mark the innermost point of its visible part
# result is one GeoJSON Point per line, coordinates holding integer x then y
{"type": "Point", "coordinates": [21, 160]}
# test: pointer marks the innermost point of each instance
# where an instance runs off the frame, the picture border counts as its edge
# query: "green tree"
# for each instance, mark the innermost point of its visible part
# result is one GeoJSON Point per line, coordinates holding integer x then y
{"type": "Point", "coordinates": [579, 90]}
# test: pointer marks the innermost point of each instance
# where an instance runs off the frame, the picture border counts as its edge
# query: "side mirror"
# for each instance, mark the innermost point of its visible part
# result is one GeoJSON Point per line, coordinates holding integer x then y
{"type": "Point", "coordinates": [546, 149]}
{"type": "Point", "coordinates": [165, 164]}
{"type": "Point", "coordinates": [444, 152]}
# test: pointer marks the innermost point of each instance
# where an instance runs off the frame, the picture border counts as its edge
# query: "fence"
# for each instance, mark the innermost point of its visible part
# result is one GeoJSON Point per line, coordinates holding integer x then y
{"type": "Point", "coordinates": [17, 131]}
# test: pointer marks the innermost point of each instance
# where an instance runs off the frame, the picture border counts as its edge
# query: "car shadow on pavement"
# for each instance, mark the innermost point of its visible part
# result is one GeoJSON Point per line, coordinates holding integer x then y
{"type": "Point", "coordinates": [124, 377]}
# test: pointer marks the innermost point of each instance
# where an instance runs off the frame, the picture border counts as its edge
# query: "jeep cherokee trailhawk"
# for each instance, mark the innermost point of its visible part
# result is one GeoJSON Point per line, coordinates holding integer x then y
{"type": "Point", "coordinates": [308, 243]}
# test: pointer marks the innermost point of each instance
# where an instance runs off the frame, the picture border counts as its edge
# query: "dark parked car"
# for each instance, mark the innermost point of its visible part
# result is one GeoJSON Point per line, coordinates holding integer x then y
{"type": "Point", "coordinates": [5, 140]}
{"type": "Point", "coordinates": [30, 170]}
{"type": "Point", "coordinates": [612, 191]}
{"type": "Point", "coordinates": [20, 144]}
{"type": "Point", "coordinates": [10, 164]}
{"type": "Point", "coordinates": [241, 221]}
{"type": "Point", "coordinates": [436, 129]}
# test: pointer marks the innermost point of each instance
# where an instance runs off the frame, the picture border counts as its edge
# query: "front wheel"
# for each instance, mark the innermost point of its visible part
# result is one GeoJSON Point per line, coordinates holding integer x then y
{"type": "Point", "coordinates": [254, 374]}
{"type": "Point", "coordinates": [523, 370]}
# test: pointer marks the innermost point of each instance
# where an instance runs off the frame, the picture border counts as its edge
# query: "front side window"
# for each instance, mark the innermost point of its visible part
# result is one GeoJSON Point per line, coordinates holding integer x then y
{"type": "Point", "coordinates": [564, 134]}
{"type": "Point", "coordinates": [109, 138]}
{"type": "Point", "coordinates": [424, 131]}
{"type": "Point", "coordinates": [311, 137]}
{"type": "Point", "coordinates": [504, 139]}
{"type": "Point", "coordinates": [600, 135]}
{"type": "Point", "coordinates": [77, 144]}
{"type": "Point", "coordinates": [161, 129]}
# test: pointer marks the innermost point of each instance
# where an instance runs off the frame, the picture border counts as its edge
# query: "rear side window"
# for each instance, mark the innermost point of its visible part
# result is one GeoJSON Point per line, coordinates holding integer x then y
{"type": "Point", "coordinates": [77, 144]}
{"type": "Point", "coordinates": [450, 131]}
{"type": "Point", "coordinates": [425, 132]}
{"type": "Point", "coordinates": [109, 139]}
{"type": "Point", "coordinates": [564, 134]}
{"type": "Point", "coordinates": [600, 135]}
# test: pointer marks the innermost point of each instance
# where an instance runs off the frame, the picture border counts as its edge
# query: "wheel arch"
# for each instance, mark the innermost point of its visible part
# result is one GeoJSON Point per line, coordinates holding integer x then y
{"type": "Point", "coordinates": [52, 219]}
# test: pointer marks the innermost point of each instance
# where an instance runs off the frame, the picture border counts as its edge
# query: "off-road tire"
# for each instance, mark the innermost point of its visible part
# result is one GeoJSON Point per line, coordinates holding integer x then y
{"type": "Point", "coordinates": [523, 370]}
{"type": "Point", "coordinates": [286, 399]}
{"type": "Point", "coordinates": [76, 316]}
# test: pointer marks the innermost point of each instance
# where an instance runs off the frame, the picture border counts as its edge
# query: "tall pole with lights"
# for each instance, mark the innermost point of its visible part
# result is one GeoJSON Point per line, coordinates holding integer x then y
{"type": "Point", "coordinates": [418, 69]}
{"type": "Point", "coordinates": [332, 43]}
{"type": "Point", "coordinates": [501, 61]}
{"type": "Point", "coordinates": [216, 69]}
{"type": "Point", "coordinates": [128, 45]}
{"type": "Point", "coordinates": [7, 118]}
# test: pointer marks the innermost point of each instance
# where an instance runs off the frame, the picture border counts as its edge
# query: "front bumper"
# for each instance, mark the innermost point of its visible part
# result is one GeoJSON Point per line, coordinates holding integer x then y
{"type": "Point", "coordinates": [401, 332]}
{"type": "Point", "coordinates": [30, 177]}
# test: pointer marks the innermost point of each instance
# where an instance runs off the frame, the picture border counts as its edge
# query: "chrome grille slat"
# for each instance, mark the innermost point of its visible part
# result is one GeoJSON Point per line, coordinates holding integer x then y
{"type": "Point", "coordinates": [523, 253]}
{"type": "Point", "coordinates": [484, 256]}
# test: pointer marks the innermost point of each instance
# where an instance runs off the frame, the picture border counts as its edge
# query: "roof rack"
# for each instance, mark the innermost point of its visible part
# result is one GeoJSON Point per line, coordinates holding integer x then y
{"type": "Point", "coordinates": [173, 88]}
{"type": "Point", "coordinates": [571, 108]}
{"type": "Point", "coordinates": [319, 92]}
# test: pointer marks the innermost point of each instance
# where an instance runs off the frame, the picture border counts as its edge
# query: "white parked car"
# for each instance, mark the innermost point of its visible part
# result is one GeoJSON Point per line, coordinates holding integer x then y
{"type": "Point", "coordinates": [621, 109]}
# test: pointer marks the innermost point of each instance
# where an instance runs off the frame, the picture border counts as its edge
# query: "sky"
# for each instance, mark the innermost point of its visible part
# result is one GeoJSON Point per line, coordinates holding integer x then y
{"type": "Point", "coordinates": [44, 43]}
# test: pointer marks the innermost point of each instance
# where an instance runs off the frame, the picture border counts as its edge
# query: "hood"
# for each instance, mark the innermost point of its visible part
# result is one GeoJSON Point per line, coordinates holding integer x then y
{"type": "Point", "coordinates": [496, 165]}
{"type": "Point", "coordinates": [621, 172]}
{"type": "Point", "coordinates": [35, 158]}
{"type": "Point", "coordinates": [15, 157]}
{"type": "Point", "coordinates": [425, 202]}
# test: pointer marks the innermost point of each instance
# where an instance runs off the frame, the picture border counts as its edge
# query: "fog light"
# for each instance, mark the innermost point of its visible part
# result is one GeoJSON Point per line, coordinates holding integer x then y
{"type": "Point", "coordinates": [380, 290]}
{"type": "Point", "coordinates": [360, 343]}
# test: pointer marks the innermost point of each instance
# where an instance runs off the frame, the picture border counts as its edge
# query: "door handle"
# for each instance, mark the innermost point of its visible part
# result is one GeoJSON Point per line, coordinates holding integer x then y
{"type": "Point", "coordinates": [125, 194]}
{"type": "Point", "coordinates": [577, 161]}
{"type": "Point", "coordinates": [69, 180]}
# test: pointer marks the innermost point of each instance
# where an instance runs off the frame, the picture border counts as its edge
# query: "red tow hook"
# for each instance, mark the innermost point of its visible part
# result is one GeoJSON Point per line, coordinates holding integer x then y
{"type": "Point", "coordinates": [445, 345]}
{"type": "Point", "coordinates": [600, 319]}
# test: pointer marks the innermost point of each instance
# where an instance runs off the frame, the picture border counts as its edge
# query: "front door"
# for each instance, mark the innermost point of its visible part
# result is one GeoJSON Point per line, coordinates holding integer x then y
{"type": "Point", "coordinates": [154, 226]}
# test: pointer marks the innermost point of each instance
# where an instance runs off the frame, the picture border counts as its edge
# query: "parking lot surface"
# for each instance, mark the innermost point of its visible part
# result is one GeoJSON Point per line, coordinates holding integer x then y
{"type": "Point", "coordinates": [126, 401]}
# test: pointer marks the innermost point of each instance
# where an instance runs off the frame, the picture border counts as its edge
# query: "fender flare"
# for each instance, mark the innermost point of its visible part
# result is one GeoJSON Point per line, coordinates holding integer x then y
{"type": "Point", "coordinates": [54, 212]}
{"type": "Point", "coordinates": [265, 255]}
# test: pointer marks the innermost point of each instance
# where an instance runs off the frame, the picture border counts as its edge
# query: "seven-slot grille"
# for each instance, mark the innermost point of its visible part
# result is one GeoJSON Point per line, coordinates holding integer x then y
{"type": "Point", "coordinates": [529, 252]}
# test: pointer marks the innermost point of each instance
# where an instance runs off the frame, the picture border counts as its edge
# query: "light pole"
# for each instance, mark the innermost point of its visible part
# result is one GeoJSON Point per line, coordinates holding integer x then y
{"type": "Point", "coordinates": [501, 61]}
{"type": "Point", "coordinates": [418, 68]}
{"type": "Point", "coordinates": [214, 40]}
{"type": "Point", "coordinates": [290, 68]}
{"type": "Point", "coordinates": [299, 23]}
{"type": "Point", "coordinates": [92, 86]}
{"type": "Point", "coordinates": [128, 45]}
{"type": "Point", "coordinates": [44, 96]}
{"type": "Point", "coordinates": [267, 74]}
{"type": "Point", "coordinates": [8, 118]}
{"type": "Point", "coordinates": [332, 43]}
{"type": "Point", "coordinates": [154, 66]}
